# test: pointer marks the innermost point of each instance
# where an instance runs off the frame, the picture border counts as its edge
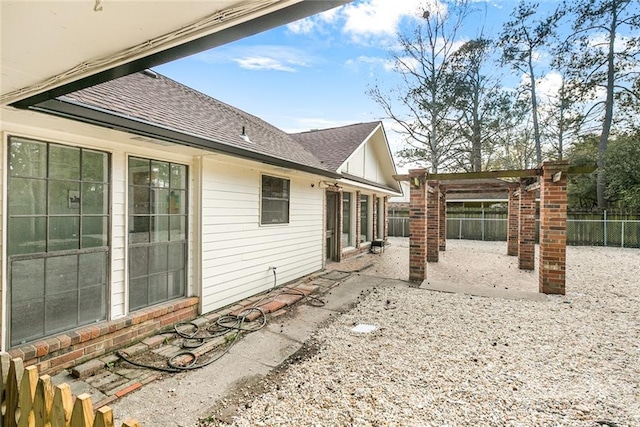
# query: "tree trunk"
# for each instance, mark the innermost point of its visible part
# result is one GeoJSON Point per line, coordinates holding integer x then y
{"type": "Point", "coordinates": [534, 111]}
{"type": "Point", "coordinates": [601, 181]}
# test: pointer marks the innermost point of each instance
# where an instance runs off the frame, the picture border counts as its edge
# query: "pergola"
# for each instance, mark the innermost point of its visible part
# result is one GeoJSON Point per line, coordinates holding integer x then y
{"type": "Point", "coordinates": [428, 216]}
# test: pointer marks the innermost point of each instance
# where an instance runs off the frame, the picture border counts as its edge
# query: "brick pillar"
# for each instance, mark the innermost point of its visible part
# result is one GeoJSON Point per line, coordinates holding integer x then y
{"type": "Point", "coordinates": [385, 210]}
{"type": "Point", "coordinates": [339, 225]}
{"type": "Point", "coordinates": [512, 226]}
{"type": "Point", "coordinates": [443, 222]}
{"type": "Point", "coordinates": [553, 227]}
{"type": "Point", "coordinates": [527, 227]}
{"type": "Point", "coordinates": [417, 226]}
{"type": "Point", "coordinates": [433, 221]}
{"type": "Point", "coordinates": [374, 219]}
{"type": "Point", "coordinates": [357, 202]}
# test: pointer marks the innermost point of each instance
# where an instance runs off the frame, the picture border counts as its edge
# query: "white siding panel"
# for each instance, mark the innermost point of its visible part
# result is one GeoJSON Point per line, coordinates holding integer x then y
{"type": "Point", "coordinates": [237, 252]}
{"type": "Point", "coordinates": [372, 170]}
{"type": "Point", "coordinates": [118, 234]}
{"type": "Point", "coordinates": [355, 166]}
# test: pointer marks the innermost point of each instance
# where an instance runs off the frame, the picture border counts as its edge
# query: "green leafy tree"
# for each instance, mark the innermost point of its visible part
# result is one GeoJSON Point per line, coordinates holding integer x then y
{"type": "Point", "coordinates": [581, 189]}
{"type": "Point", "coordinates": [480, 105]}
{"type": "Point", "coordinates": [623, 171]}
{"type": "Point", "coordinates": [604, 52]}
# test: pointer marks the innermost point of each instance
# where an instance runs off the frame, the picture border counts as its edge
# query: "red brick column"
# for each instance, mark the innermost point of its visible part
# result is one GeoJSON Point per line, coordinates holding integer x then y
{"type": "Point", "coordinates": [553, 227]}
{"type": "Point", "coordinates": [358, 225]}
{"type": "Point", "coordinates": [443, 222]}
{"type": "Point", "coordinates": [338, 232]}
{"type": "Point", "coordinates": [512, 223]}
{"type": "Point", "coordinates": [385, 200]}
{"type": "Point", "coordinates": [527, 227]}
{"type": "Point", "coordinates": [433, 221]}
{"type": "Point", "coordinates": [417, 226]}
{"type": "Point", "coordinates": [374, 220]}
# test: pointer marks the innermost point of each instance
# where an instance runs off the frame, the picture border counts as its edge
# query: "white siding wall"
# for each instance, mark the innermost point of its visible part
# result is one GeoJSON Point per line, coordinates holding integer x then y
{"type": "Point", "coordinates": [237, 252]}
{"type": "Point", "coordinates": [355, 166]}
{"type": "Point", "coordinates": [372, 170]}
{"type": "Point", "coordinates": [50, 129]}
{"type": "Point", "coordinates": [365, 164]}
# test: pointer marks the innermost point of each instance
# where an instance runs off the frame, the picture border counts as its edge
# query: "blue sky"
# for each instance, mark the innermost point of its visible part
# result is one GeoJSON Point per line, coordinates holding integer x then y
{"type": "Point", "coordinates": [314, 73]}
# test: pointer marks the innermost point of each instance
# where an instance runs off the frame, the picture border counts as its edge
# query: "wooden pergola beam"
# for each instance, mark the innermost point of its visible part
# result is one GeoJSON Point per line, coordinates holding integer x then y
{"type": "Point", "coordinates": [513, 173]}
{"type": "Point", "coordinates": [476, 190]}
{"type": "Point", "coordinates": [489, 187]}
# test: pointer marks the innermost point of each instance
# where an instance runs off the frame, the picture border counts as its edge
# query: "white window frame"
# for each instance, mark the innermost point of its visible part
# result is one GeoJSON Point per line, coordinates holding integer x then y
{"type": "Point", "coordinates": [285, 221]}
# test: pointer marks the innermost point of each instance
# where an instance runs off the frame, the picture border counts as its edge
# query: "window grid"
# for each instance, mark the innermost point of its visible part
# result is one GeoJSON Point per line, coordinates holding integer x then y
{"type": "Point", "coordinates": [38, 306]}
{"type": "Point", "coordinates": [157, 231]}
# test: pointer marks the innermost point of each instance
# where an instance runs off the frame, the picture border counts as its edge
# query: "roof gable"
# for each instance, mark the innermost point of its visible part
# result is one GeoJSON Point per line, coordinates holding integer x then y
{"type": "Point", "coordinates": [358, 152]}
{"type": "Point", "coordinates": [334, 146]}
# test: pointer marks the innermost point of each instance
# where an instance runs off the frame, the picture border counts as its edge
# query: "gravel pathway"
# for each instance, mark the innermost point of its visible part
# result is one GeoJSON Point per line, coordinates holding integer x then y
{"type": "Point", "coordinates": [448, 359]}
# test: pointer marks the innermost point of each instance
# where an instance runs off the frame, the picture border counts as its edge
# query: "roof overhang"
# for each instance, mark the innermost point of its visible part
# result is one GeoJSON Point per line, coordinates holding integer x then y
{"type": "Point", "coordinates": [72, 110]}
{"type": "Point", "coordinates": [51, 48]}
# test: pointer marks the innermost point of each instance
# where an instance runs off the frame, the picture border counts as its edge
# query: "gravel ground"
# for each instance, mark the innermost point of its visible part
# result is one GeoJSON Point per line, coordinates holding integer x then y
{"type": "Point", "coordinates": [449, 359]}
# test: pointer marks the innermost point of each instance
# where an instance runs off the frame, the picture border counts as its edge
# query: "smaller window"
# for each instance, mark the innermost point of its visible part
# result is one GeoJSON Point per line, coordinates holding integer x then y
{"type": "Point", "coordinates": [275, 200]}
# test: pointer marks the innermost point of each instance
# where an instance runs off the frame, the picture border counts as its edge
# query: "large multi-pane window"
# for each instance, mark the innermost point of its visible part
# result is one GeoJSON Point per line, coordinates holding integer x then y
{"type": "Point", "coordinates": [58, 240]}
{"type": "Point", "coordinates": [157, 231]}
{"type": "Point", "coordinates": [346, 220]}
{"type": "Point", "coordinates": [275, 200]}
{"type": "Point", "coordinates": [364, 219]}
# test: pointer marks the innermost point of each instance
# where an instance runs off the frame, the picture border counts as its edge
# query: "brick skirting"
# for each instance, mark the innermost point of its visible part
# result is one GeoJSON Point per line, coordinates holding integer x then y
{"type": "Point", "coordinates": [54, 354]}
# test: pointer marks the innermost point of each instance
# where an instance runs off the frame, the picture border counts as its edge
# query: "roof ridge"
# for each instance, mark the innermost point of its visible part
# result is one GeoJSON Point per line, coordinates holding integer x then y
{"type": "Point", "coordinates": [337, 127]}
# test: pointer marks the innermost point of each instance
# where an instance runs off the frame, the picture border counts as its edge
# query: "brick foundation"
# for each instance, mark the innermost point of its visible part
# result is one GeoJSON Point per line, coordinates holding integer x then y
{"type": "Point", "coordinates": [433, 221]}
{"type": "Point", "coordinates": [527, 227]}
{"type": "Point", "coordinates": [512, 226]}
{"type": "Point", "coordinates": [443, 222]}
{"type": "Point", "coordinates": [417, 226]}
{"type": "Point", "coordinates": [54, 354]}
{"type": "Point", "coordinates": [553, 227]}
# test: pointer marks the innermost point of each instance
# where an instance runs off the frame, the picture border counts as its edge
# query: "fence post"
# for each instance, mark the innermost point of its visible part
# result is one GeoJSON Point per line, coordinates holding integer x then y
{"type": "Point", "coordinates": [622, 235]}
{"type": "Point", "coordinates": [605, 228]}
{"type": "Point", "coordinates": [482, 222]}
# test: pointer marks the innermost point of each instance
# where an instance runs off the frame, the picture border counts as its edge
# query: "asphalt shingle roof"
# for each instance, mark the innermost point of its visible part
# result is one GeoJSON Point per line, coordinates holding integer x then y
{"type": "Point", "coordinates": [157, 99]}
{"type": "Point", "coordinates": [333, 146]}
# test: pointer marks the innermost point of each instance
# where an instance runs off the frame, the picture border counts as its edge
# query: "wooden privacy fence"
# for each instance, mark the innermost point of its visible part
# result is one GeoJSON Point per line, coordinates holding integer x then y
{"type": "Point", "coordinates": [31, 400]}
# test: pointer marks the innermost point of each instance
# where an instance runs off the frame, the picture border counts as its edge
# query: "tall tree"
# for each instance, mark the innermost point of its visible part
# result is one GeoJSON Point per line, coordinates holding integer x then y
{"type": "Point", "coordinates": [521, 40]}
{"type": "Point", "coordinates": [604, 50]}
{"type": "Point", "coordinates": [423, 104]}
{"type": "Point", "coordinates": [623, 170]}
{"type": "Point", "coordinates": [479, 102]}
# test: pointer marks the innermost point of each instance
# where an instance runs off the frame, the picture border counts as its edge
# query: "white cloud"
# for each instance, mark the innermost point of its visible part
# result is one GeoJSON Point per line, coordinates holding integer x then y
{"type": "Point", "coordinates": [364, 20]}
{"type": "Point", "coordinates": [263, 63]}
{"type": "Point", "coordinates": [371, 62]}
{"type": "Point", "coordinates": [303, 26]}
{"type": "Point", "coordinates": [549, 87]}
{"type": "Point", "coordinates": [262, 57]}
{"type": "Point", "coordinates": [368, 18]}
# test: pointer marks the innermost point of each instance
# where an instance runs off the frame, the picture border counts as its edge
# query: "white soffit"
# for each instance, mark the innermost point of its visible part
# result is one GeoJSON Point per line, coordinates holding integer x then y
{"type": "Point", "coordinates": [47, 44]}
